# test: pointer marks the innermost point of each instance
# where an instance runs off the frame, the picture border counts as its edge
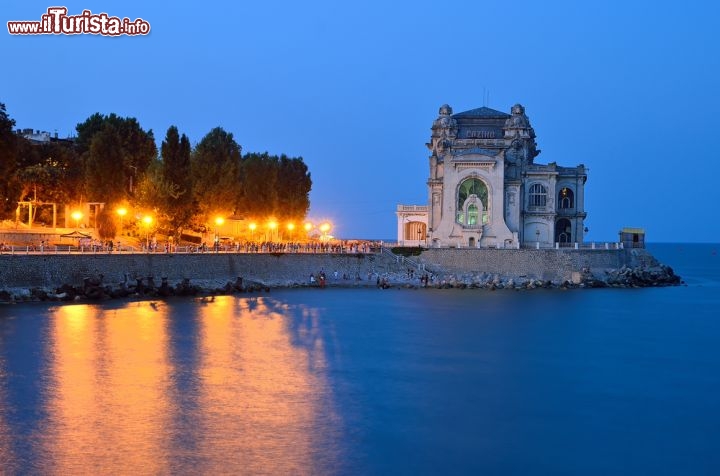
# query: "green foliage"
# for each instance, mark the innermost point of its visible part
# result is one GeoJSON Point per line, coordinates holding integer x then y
{"type": "Point", "coordinates": [135, 151]}
{"type": "Point", "coordinates": [8, 162]}
{"type": "Point", "coordinates": [274, 186]}
{"type": "Point", "coordinates": [104, 170]}
{"type": "Point", "coordinates": [150, 190]}
{"type": "Point", "coordinates": [48, 172]}
{"type": "Point", "coordinates": [215, 166]}
{"type": "Point", "coordinates": [176, 181]}
{"type": "Point", "coordinates": [113, 160]}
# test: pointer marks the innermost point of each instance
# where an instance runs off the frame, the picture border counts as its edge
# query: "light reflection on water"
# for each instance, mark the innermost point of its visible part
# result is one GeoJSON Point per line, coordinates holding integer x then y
{"type": "Point", "coordinates": [228, 386]}
{"type": "Point", "coordinates": [370, 381]}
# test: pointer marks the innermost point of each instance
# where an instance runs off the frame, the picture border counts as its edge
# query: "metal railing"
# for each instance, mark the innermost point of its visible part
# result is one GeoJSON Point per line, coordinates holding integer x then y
{"type": "Point", "coordinates": [363, 248]}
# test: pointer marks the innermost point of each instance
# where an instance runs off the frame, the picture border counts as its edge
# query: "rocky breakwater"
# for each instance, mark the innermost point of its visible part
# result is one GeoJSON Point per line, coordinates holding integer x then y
{"type": "Point", "coordinates": [95, 289]}
{"type": "Point", "coordinates": [637, 269]}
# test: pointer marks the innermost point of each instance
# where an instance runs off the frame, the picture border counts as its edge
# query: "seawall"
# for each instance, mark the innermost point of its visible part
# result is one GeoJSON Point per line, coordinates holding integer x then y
{"type": "Point", "coordinates": [280, 269]}
{"type": "Point", "coordinates": [49, 270]}
{"type": "Point", "coordinates": [545, 264]}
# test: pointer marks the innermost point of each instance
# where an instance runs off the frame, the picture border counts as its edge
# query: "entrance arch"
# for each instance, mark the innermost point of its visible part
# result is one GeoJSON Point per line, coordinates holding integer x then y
{"type": "Point", "coordinates": [563, 231]}
{"type": "Point", "coordinates": [471, 242]}
{"type": "Point", "coordinates": [415, 231]}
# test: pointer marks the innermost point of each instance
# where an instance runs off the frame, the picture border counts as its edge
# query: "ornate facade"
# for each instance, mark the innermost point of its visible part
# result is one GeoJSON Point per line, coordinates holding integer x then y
{"type": "Point", "coordinates": [485, 189]}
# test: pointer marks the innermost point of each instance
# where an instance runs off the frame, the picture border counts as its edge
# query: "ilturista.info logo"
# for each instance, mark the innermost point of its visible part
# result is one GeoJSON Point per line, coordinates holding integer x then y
{"type": "Point", "coordinates": [57, 22]}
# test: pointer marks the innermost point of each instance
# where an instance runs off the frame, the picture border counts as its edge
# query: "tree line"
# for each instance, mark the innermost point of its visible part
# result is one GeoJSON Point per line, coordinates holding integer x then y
{"type": "Point", "coordinates": [115, 161]}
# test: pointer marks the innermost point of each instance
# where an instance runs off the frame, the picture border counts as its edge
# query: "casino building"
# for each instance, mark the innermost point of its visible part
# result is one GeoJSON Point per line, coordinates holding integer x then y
{"type": "Point", "coordinates": [486, 190]}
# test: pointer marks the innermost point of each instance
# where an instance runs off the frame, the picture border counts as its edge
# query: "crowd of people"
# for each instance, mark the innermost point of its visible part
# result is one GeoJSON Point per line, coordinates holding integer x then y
{"type": "Point", "coordinates": [168, 246]}
{"type": "Point", "coordinates": [354, 246]}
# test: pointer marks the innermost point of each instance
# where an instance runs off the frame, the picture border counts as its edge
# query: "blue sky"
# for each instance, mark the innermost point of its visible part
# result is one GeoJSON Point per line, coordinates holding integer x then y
{"type": "Point", "coordinates": [627, 88]}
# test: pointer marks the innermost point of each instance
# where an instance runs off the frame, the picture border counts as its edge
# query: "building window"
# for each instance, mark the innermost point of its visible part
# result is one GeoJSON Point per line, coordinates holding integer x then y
{"type": "Point", "coordinates": [468, 213]}
{"type": "Point", "coordinates": [563, 231]}
{"type": "Point", "coordinates": [566, 198]}
{"type": "Point", "coordinates": [538, 195]}
{"type": "Point", "coordinates": [472, 215]}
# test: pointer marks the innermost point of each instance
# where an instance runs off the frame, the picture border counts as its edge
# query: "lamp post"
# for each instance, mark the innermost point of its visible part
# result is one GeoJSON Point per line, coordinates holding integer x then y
{"type": "Point", "coordinates": [272, 226]}
{"type": "Point", "coordinates": [291, 228]}
{"type": "Point", "coordinates": [419, 236]}
{"type": "Point", "coordinates": [122, 212]}
{"type": "Point", "coordinates": [537, 238]}
{"type": "Point", "coordinates": [324, 228]}
{"type": "Point", "coordinates": [76, 215]}
{"type": "Point", "coordinates": [218, 222]}
{"type": "Point", "coordinates": [147, 220]}
{"type": "Point", "coordinates": [252, 227]}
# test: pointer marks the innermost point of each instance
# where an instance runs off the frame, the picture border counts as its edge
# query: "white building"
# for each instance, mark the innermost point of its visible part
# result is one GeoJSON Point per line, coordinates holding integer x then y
{"type": "Point", "coordinates": [485, 189]}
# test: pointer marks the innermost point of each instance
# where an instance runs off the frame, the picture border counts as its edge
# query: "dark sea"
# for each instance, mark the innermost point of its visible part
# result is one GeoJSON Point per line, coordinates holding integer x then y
{"type": "Point", "coordinates": [372, 382]}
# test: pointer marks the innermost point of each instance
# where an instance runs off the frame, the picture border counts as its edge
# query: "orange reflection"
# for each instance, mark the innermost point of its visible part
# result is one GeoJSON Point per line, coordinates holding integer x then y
{"type": "Point", "coordinates": [110, 393]}
{"type": "Point", "coordinates": [259, 393]}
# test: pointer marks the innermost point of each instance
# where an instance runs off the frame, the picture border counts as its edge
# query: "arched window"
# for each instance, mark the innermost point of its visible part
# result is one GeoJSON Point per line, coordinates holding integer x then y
{"type": "Point", "coordinates": [538, 195]}
{"type": "Point", "coordinates": [472, 215]}
{"type": "Point", "coordinates": [563, 231]}
{"type": "Point", "coordinates": [469, 213]}
{"type": "Point", "coordinates": [566, 198]}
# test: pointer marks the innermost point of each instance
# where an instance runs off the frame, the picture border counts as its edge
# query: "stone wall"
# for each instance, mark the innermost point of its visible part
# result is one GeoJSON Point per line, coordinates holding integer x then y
{"type": "Point", "coordinates": [545, 264]}
{"type": "Point", "coordinates": [50, 270]}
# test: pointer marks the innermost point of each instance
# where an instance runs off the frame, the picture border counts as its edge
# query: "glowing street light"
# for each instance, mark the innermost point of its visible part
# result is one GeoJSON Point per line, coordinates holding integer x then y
{"type": "Point", "coordinates": [122, 212]}
{"type": "Point", "coordinates": [147, 220]}
{"type": "Point", "coordinates": [291, 228]}
{"type": "Point", "coordinates": [76, 215]}
{"type": "Point", "coordinates": [218, 222]}
{"type": "Point", "coordinates": [324, 228]}
{"type": "Point", "coordinates": [272, 225]}
{"type": "Point", "coordinates": [252, 227]}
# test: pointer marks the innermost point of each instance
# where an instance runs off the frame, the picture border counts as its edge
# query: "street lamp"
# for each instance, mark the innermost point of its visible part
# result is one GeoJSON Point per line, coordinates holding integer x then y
{"type": "Point", "coordinates": [252, 227]}
{"type": "Point", "coordinates": [272, 225]}
{"type": "Point", "coordinates": [147, 220]}
{"type": "Point", "coordinates": [291, 228]}
{"type": "Point", "coordinates": [122, 212]}
{"type": "Point", "coordinates": [537, 238]}
{"type": "Point", "coordinates": [76, 215]}
{"type": "Point", "coordinates": [218, 222]}
{"type": "Point", "coordinates": [324, 228]}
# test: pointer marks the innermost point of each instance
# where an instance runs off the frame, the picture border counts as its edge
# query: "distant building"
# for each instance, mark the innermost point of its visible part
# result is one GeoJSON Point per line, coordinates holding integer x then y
{"type": "Point", "coordinates": [40, 137]}
{"type": "Point", "coordinates": [632, 237]}
{"type": "Point", "coordinates": [485, 189]}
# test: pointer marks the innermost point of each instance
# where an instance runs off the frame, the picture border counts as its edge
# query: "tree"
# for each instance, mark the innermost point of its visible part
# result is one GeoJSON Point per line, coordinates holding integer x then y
{"type": "Point", "coordinates": [258, 191]}
{"type": "Point", "coordinates": [49, 172]}
{"type": "Point", "coordinates": [8, 162]}
{"type": "Point", "coordinates": [177, 180]}
{"type": "Point", "coordinates": [107, 226]}
{"type": "Point", "coordinates": [294, 184]}
{"type": "Point", "coordinates": [275, 186]}
{"type": "Point", "coordinates": [215, 166]}
{"type": "Point", "coordinates": [136, 147]}
{"type": "Point", "coordinates": [104, 169]}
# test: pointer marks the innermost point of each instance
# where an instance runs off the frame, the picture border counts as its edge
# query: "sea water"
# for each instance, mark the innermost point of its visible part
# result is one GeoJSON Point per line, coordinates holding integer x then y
{"type": "Point", "coordinates": [369, 381]}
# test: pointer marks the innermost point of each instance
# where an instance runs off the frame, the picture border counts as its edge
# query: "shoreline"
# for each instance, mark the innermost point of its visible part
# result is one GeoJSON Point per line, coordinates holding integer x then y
{"type": "Point", "coordinates": [93, 277]}
{"type": "Point", "coordinates": [94, 290]}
